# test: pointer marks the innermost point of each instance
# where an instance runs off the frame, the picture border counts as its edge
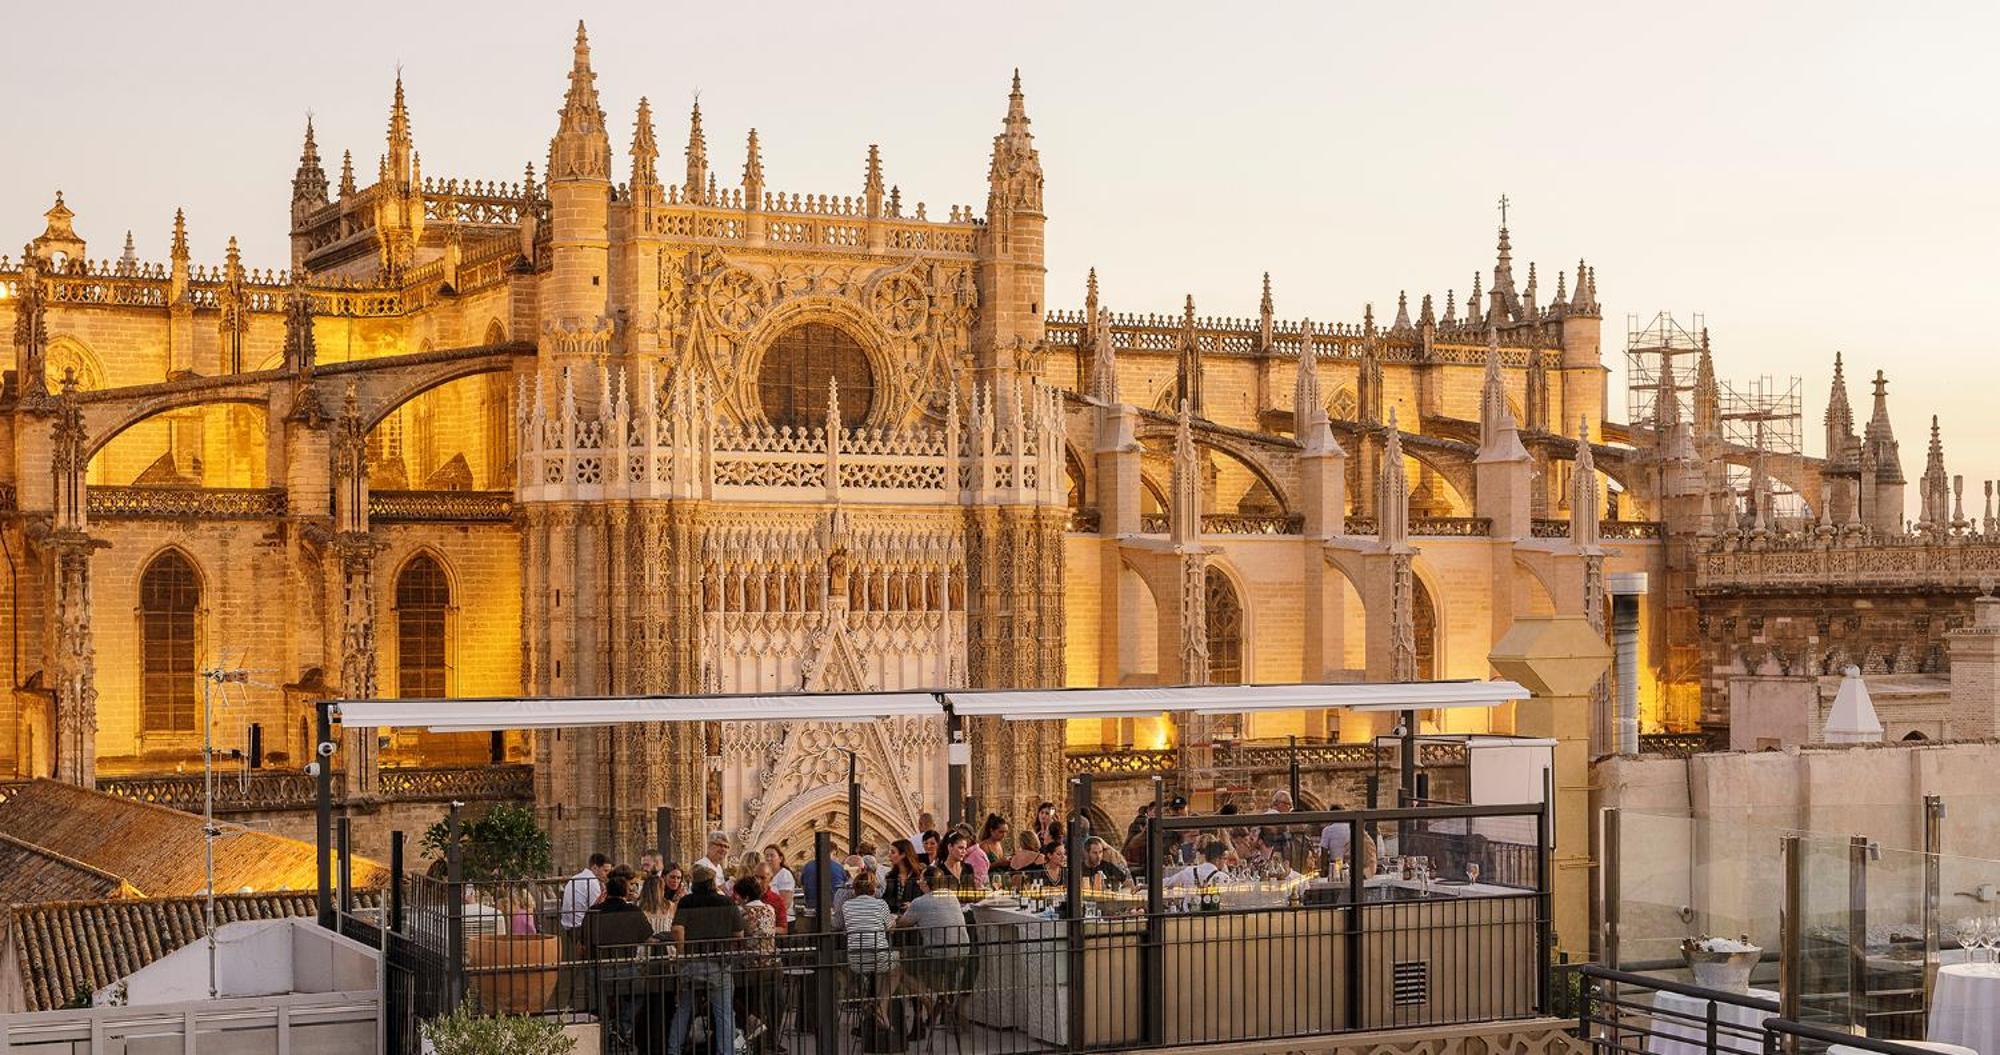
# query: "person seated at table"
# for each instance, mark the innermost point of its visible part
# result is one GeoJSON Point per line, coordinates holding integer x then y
{"type": "Point", "coordinates": [615, 933]}
{"type": "Point", "coordinates": [1027, 855]}
{"type": "Point", "coordinates": [1099, 865]}
{"type": "Point", "coordinates": [1055, 861]}
{"type": "Point", "coordinates": [708, 928]}
{"type": "Point", "coordinates": [781, 906]}
{"type": "Point", "coordinates": [1206, 872]}
{"type": "Point", "coordinates": [930, 854]}
{"type": "Point", "coordinates": [900, 887]}
{"type": "Point", "coordinates": [865, 917]}
{"type": "Point", "coordinates": [974, 857]}
{"type": "Point", "coordinates": [957, 862]}
{"type": "Point", "coordinates": [993, 844]}
{"type": "Point", "coordinates": [938, 919]}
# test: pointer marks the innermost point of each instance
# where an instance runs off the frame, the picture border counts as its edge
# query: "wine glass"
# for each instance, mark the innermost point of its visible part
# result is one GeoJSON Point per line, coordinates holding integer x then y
{"type": "Point", "coordinates": [1989, 934]}
{"type": "Point", "coordinates": [1969, 932]}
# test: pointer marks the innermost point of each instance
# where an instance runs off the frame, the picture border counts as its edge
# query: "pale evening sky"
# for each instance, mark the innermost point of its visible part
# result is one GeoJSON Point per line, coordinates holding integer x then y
{"type": "Point", "coordinates": [1811, 176]}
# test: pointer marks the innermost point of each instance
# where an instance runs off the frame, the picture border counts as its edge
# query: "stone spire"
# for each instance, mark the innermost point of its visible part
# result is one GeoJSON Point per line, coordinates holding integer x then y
{"type": "Point", "coordinates": [1880, 437]}
{"type": "Point", "coordinates": [1306, 398]}
{"type": "Point", "coordinates": [1676, 440]}
{"type": "Point", "coordinates": [31, 330]}
{"type": "Point", "coordinates": [1707, 395]}
{"type": "Point", "coordinates": [1427, 317]}
{"type": "Point", "coordinates": [1103, 357]}
{"type": "Point", "coordinates": [1526, 308]}
{"type": "Point", "coordinates": [179, 247]}
{"type": "Point", "coordinates": [1266, 315]}
{"type": "Point", "coordinates": [581, 149]}
{"type": "Point", "coordinates": [1392, 493]}
{"type": "Point", "coordinates": [1504, 301]}
{"type": "Point", "coordinates": [1402, 323]}
{"type": "Point", "coordinates": [1184, 521]}
{"type": "Point", "coordinates": [1581, 301]}
{"type": "Point", "coordinates": [1473, 311]}
{"type": "Point", "coordinates": [696, 184]}
{"type": "Point", "coordinates": [1934, 490]}
{"type": "Point", "coordinates": [402, 151]}
{"type": "Point", "coordinates": [128, 262]}
{"type": "Point", "coordinates": [1450, 307]}
{"type": "Point", "coordinates": [346, 173]}
{"type": "Point", "coordinates": [1584, 507]}
{"type": "Point", "coordinates": [1090, 295]}
{"type": "Point", "coordinates": [753, 173]}
{"type": "Point", "coordinates": [1499, 433]}
{"type": "Point", "coordinates": [1014, 180]}
{"type": "Point", "coordinates": [1187, 378]}
{"type": "Point", "coordinates": [871, 181]}
{"type": "Point", "coordinates": [301, 347]}
{"type": "Point", "coordinates": [309, 182]}
{"type": "Point", "coordinates": [645, 152]}
{"type": "Point", "coordinates": [1839, 417]}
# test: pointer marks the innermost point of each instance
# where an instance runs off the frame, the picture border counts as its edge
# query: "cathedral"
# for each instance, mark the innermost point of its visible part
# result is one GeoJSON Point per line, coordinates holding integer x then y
{"type": "Point", "coordinates": [617, 428]}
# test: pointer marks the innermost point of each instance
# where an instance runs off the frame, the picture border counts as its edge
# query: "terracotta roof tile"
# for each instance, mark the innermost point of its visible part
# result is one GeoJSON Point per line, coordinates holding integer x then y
{"type": "Point", "coordinates": [157, 850]}
{"type": "Point", "coordinates": [30, 873]}
{"type": "Point", "coordinates": [68, 947]}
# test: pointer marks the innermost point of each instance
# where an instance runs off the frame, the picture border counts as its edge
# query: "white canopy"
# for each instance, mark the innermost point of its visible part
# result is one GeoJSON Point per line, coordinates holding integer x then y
{"type": "Point", "coordinates": [479, 715]}
{"type": "Point", "coordinates": [1024, 705]}
{"type": "Point", "coordinates": [486, 714]}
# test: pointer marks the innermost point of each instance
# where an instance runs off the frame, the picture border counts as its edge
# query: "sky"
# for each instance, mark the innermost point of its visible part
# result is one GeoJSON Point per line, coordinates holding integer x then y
{"type": "Point", "coordinates": [1809, 177]}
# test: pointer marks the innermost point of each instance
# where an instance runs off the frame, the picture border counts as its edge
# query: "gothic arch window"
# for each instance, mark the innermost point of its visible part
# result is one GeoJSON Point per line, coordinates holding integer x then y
{"type": "Point", "coordinates": [1423, 616]}
{"type": "Point", "coordinates": [792, 382]}
{"type": "Point", "coordinates": [423, 600]}
{"type": "Point", "coordinates": [169, 605]}
{"type": "Point", "coordinates": [1225, 630]}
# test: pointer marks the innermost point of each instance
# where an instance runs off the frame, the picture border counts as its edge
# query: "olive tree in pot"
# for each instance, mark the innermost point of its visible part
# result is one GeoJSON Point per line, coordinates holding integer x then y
{"type": "Point", "coordinates": [511, 965]}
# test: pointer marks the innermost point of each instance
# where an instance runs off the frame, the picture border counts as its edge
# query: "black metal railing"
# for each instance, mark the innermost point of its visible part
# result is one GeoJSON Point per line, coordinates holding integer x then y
{"type": "Point", "coordinates": [1630, 1013]}
{"type": "Point", "coordinates": [1285, 926]}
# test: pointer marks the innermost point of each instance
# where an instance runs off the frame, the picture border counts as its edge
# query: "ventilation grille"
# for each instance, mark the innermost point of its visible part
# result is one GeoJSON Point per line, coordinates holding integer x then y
{"type": "Point", "coordinates": [1410, 982]}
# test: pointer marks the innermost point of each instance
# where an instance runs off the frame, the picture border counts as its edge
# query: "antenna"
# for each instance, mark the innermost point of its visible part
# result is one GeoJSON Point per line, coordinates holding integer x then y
{"type": "Point", "coordinates": [215, 679]}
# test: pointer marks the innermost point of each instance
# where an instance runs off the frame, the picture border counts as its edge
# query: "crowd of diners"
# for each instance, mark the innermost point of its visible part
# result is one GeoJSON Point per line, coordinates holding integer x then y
{"type": "Point", "coordinates": [903, 910]}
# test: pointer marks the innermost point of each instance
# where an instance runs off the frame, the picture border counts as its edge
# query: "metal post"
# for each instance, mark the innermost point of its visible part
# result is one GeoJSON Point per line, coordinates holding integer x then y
{"type": "Point", "coordinates": [1791, 929]}
{"type": "Point", "coordinates": [1608, 936]}
{"type": "Point", "coordinates": [1293, 775]}
{"type": "Point", "coordinates": [1154, 953]}
{"type": "Point", "coordinates": [454, 912]}
{"type": "Point", "coordinates": [1545, 902]}
{"type": "Point", "coordinates": [853, 804]}
{"type": "Point", "coordinates": [956, 759]}
{"type": "Point", "coordinates": [663, 834]}
{"type": "Point", "coordinates": [1355, 947]}
{"type": "Point", "coordinates": [343, 838]}
{"type": "Point", "coordinates": [826, 1012]}
{"type": "Point", "coordinates": [1078, 834]}
{"type": "Point", "coordinates": [1408, 776]}
{"type": "Point", "coordinates": [322, 769]}
{"type": "Point", "coordinates": [1933, 846]}
{"type": "Point", "coordinates": [1857, 928]}
{"type": "Point", "coordinates": [394, 916]}
{"type": "Point", "coordinates": [1083, 794]}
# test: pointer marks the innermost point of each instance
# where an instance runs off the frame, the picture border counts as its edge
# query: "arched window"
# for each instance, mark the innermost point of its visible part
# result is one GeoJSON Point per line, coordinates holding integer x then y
{"type": "Point", "coordinates": [1424, 618]}
{"type": "Point", "coordinates": [1225, 631]}
{"type": "Point", "coordinates": [422, 598]}
{"type": "Point", "coordinates": [169, 597]}
{"type": "Point", "coordinates": [792, 382]}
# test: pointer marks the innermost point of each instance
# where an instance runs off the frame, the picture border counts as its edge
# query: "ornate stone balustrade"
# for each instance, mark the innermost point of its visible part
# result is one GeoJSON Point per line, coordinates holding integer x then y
{"type": "Point", "coordinates": [1360, 525]}
{"type": "Point", "coordinates": [1677, 745]}
{"type": "Point", "coordinates": [270, 790]}
{"type": "Point", "coordinates": [206, 503]}
{"type": "Point", "coordinates": [677, 445]}
{"type": "Point", "coordinates": [1259, 757]}
{"type": "Point", "coordinates": [1451, 527]}
{"type": "Point", "coordinates": [1607, 530]}
{"type": "Point", "coordinates": [436, 506]}
{"type": "Point", "coordinates": [1120, 762]}
{"type": "Point", "coordinates": [1245, 524]}
{"type": "Point", "coordinates": [1155, 523]}
{"type": "Point", "coordinates": [1521, 346]}
{"type": "Point", "coordinates": [1902, 562]}
{"type": "Point", "coordinates": [1083, 522]}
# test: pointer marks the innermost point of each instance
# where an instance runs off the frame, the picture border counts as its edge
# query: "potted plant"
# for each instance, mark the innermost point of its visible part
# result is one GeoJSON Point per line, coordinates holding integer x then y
{"type": "Point", "coordinates": [465, 1032]}
{"type": "Point", "coordinates": [512, 967]}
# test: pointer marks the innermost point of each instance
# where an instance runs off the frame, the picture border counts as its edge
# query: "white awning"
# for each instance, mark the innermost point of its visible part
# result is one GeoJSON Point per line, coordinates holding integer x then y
{"type": "Point", "coordinates": [1025, 705]}
{"type": "Point", "coordinates": [482, 715]}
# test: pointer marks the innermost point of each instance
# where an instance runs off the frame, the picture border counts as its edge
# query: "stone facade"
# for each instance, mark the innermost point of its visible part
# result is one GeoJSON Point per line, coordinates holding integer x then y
{"type": "Point", "coordinates": [582, 435]}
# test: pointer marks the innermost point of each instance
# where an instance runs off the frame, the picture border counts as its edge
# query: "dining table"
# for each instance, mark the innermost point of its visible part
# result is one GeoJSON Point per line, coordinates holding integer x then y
{"type": "Point", "coordinates": [1965, 1007]}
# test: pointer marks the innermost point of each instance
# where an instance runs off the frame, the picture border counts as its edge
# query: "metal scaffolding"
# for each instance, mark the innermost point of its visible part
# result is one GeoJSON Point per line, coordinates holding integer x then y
{"type": "Point", "coordinates": [1647, 349]}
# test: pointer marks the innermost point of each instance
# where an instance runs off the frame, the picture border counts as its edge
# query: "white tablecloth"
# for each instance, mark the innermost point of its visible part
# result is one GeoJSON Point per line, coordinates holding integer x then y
{"type": "Point", "coordinates": [1680, 1025]}
{"type": "Point", "coordinates": [1965, 1006]}
{"type": "Point", "coordinates": [1928, 1045]}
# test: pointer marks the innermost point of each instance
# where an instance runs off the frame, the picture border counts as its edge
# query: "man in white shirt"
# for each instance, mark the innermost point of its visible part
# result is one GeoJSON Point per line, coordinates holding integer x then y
{"type": "Point", "coordinates": [1334, 841]}
{"type": "Point", "coordinates": [583, 890]}
{"type": "Point", "coordinates": [718, 852]}
{"type": "Point", "coordinates": [1205, 872]}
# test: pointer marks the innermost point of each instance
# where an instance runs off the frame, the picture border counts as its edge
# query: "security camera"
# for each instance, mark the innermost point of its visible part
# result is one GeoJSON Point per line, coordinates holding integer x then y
{"type": "Point", "coordinates": [1402, 730]}
{"type": "Point", "coordinates": [312, 769]}
{"type": "Point", "coordinates": [326, 749]}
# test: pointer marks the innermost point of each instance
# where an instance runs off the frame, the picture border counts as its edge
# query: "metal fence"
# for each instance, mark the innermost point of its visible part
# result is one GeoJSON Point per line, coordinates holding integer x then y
{"type": "Point", "coordinates": [1629, 1013]}
{"type": "Point", "coordinates": [1234, 928]}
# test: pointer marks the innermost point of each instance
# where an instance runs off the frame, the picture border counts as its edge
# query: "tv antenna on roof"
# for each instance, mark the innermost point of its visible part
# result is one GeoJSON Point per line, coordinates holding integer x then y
{"type": "Point", "coordinates": [215, 679]}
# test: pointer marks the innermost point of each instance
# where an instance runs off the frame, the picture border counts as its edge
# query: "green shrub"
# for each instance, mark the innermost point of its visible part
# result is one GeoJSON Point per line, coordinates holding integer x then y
{"type": "Point", "coordinates": [506, 843]}
{"type": "Point", "coordinates": [466, 1032]}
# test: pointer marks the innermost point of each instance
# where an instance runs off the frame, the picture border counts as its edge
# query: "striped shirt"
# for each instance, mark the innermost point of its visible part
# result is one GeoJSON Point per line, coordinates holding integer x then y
{"type": "Point", "coordinates": [866, 919]}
